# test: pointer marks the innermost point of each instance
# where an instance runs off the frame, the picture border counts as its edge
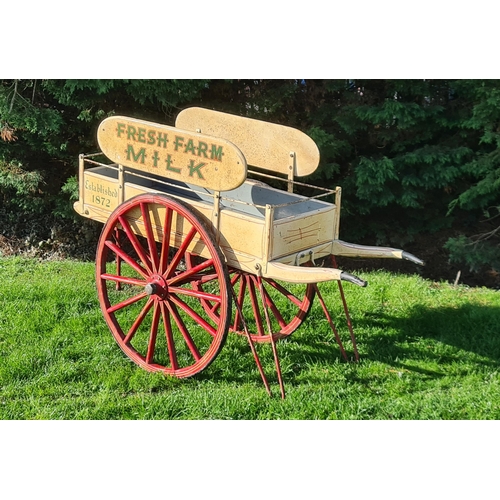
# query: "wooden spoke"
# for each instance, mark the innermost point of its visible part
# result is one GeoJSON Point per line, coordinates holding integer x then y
{"type": "Point", "coordinates": [193, 314]}
{"type": "Point", "coordinates": [189, 275]}
{"type": "Point", "coordinates": [241, 298]}
{"type": "Point", "coordinates": [154, 332]}
{"type": "Point", "coordinates": [165, 242]}
{"type": "Point", "coordinates": [255, 306]}
{"type": "Point", "coordinates": [123, 279]}
{"type": "Point", "coordinates": [269, 303]}
{"type": "Point", "coordinates": [180, 253]}
{"type": "Point", "coordinates": [169, 336]}
{"type": "Point", "coordinates": [184, 331]}
{"type": "Point", "coordinates": [138, 321]}
{"type": "Point", "coordinates": [126, 303]}
{"type": "Point", "coordinates": [195, 293]}
{"type": "Point", "coordinates": [132, 238]}
{"type": "Point", "coordinates": [153, 253]}
{"type": "Point", "coordinates": [125, 257]}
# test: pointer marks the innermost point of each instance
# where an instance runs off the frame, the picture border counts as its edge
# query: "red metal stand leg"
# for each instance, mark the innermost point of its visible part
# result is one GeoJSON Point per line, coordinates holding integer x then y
{"type": "Point", "coordinates": [252, 347]}
{"type": "Point", "coordinates": [347, 315]}
{"type": "Point", "coordinates": [332, 326]}
{"type": "Point", "coordinates": [349, 322]}
{"type": "Point", "coordinates": [273, 341]}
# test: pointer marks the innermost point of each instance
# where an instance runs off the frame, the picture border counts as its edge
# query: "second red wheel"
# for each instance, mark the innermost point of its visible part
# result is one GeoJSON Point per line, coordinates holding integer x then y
{"type": "Point", "coordinates": [287, 305]}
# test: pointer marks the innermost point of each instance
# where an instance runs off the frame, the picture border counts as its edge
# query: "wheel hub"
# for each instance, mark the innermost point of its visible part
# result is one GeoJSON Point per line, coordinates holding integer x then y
{"type": "Point", "coordinates": [157, 287]}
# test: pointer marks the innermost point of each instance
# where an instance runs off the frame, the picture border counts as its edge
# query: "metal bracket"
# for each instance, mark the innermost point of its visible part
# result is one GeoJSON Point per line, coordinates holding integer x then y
{"type": "Point", "coordinates": [301, 255]}
{"type": "Point", "coordinates": [291, 171]}
{"type": "Point", "coordinates": [121, 184]}
{"type": "Point", "coordinates": [216, 214]}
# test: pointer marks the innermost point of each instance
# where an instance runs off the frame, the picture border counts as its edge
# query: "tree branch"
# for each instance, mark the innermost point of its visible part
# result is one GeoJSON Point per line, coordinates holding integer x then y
{"type": "Point", "coordinates": [13, 96]}
{"type": "Point", "coordinates": [33, 95]}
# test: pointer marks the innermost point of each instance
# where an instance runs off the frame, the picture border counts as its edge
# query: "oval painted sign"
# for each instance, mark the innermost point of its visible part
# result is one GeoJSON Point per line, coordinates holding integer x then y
{"type": "Point", "coordinates": [265, 145]}
{"type": "Point", "coordinates": [206, 161]}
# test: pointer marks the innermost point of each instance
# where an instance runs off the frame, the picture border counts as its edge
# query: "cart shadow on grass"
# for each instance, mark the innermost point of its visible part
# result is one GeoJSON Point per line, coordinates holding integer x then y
{"type": "Point", "coordinates": [426, 337]}
{"type": "Point", "coordinates": [442, 335]}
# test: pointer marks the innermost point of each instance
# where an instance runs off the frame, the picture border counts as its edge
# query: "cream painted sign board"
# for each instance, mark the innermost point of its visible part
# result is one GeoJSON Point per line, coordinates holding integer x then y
{"type": "Point", "coordinates": [266, 145]}
{"type": "Point", "coordinates": [198, 159]}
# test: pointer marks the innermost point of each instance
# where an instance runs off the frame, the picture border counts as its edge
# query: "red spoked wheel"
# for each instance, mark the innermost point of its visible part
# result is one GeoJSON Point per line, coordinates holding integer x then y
{"type": "Point", "coordinates": [287, 305]}
{"type": "Point", "coordinates": [156, 315]}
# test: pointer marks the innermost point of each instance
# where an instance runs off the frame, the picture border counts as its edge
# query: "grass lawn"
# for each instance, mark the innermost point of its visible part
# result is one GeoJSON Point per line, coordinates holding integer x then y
{"type": "Point", "coordinates": [428, 351]}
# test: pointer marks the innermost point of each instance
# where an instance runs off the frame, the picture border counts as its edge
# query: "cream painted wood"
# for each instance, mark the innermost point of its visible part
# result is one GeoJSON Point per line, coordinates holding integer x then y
{"type": "Point", "coordinates": [309, 255]}
{"type": "Point", "coordinates": [254, 234]}
{"type": "Point", "coordinates": [247, 241]}
{"type": "Point", "coordinates": [344, 249]}
{"type": "Point", "coordinates": [294, 274]}
{"type": "Point", "coordinates": [211, 162]}
{"type": "Point", "coordinates": [267, 145]}
{"type": "Point", "coordinates": [100, 191]}
{"type": "Point", "coordinates": [299, 233]}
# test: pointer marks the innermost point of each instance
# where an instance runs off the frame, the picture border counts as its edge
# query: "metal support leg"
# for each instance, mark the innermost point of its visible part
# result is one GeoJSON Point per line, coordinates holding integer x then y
{"type": "Point", "coordinates": [329, 319]}
{"type": "Point", "coordinates": [347, 315]}
{"type": "Point", "coordinates": [270, 332]}
{"type": "Point", "coordinates": [252, 346]}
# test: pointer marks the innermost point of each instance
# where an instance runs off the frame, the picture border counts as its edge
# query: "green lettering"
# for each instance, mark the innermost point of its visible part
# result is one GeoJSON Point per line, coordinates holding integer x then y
{"type": "Point", "coordinates": [120, 129]}
{"type": "Point", "coordinates": [193, 169]}
{"type": "Point", "coordinates": [178, 142]}
{"type": "Point", "coordinates": [151, 137]}
{"type": "Point", "coordinates": [202, 149]}
{"type": "Point", "coordinates": [131, 132]}
{"type": "Point", "coordinates": [169, 166]}
{"type": "Point", "coordinates": [162, 140]}
{"type": "Point", "coordinates": [190, 147]}
{"type": "Point", "coordinates": [137, 158]}
{"type": "Point", "coordinates": [216, 153]}
{"type": "Point", "coordinates": [155, 159]}
{"type": "Point", "coordinates": [141, 137]}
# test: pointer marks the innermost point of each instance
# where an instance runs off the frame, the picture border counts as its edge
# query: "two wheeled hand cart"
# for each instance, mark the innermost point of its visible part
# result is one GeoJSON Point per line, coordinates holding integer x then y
{"type": "Point", "coordinates": [193, 248]}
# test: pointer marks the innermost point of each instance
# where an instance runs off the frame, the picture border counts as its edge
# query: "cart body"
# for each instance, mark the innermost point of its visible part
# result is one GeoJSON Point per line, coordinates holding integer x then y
{"type": "Point", "coordinates": [255, 224]}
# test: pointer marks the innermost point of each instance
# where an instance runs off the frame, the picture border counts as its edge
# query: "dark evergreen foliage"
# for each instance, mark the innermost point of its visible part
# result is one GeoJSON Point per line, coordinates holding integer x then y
{"type": "Point", "coordinates": [412, 156]}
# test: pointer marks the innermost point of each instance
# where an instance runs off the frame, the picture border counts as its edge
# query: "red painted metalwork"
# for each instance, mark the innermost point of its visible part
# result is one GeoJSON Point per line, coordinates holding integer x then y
{"type": "Point", "coordinates": [346, 311]}
{"type": "Point", "coordinates": [118, 260]}
{"type": "Point", "coordinates": [330, 322]}
{"type": "Point", "coordinates": [156, 317]}
{"type": "Point", "coordinates": [250, 341]}
{"type": "Point", "coordinates": [271, 337]}
{"type": "Point", "coordinates": [284, 320]}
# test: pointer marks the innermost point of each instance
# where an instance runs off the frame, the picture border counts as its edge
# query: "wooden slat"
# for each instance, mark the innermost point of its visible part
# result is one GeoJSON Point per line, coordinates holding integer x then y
{"type": "Point", "coordinates": [265, 145]}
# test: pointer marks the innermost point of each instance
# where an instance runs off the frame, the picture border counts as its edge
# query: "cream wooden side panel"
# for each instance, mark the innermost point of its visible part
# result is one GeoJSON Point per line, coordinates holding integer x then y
{"type": "Point", "coordinates": [243, 238]}
{"type": "Point", "coordinates": [266, 145]}
{"type": "Point", "coordinates": [300, 233]}
{"type": "Point", "coordinates": [100, 191]}
{"type": "Point", "coordinates": [92, 212]}
{"type": "Point", "coordinates": [307, 255]}
{"type": "Point", "coordinates": [240, 238]}
{"type": "Point", "coordinates": [132, 190]}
